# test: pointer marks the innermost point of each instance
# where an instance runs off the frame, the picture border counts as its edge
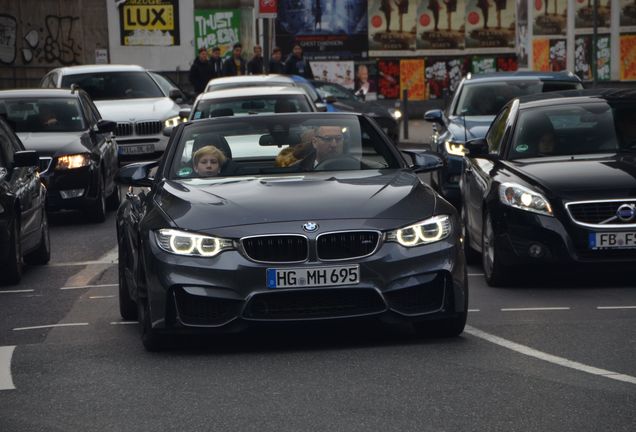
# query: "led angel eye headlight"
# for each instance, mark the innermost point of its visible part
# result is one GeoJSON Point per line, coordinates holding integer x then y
{"type": "Point", "coordinates": [186, 243]}
{"type": "Point", "coordinates": [454, 148]}
{"type": "Point", "coordinates": [523, 198]}
{"type": "Point", "coordinates": [428, 231]}
{"type": "Point", "coordinates": [173, 121]}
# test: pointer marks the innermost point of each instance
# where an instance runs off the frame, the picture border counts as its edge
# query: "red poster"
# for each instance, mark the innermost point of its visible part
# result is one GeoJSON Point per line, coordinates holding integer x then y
{"type": "Point", "coordinates": [267, 8]}
{"type": "Point", "coordinates": [389, 81]}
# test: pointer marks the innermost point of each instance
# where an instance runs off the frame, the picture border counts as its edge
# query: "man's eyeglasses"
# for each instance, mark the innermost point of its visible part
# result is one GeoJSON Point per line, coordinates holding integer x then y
{"type": "Point", "coordinates": [336, 138]}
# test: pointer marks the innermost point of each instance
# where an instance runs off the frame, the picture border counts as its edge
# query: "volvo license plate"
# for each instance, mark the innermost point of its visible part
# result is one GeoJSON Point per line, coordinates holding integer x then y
{"type": "Point", "coordinates": [612, 240]}
{"type": "Point", "coordinates": [313, 276]}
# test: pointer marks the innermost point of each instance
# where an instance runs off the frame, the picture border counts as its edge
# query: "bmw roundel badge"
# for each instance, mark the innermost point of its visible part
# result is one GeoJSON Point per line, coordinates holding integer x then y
{"type": "Point", "coordinates": [310, 226]}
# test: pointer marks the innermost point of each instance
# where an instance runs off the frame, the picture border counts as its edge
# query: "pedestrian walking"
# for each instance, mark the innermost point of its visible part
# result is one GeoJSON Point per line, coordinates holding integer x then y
{"type": "Point", "coordinates": [297, 65]}
{"type": "Point", "coordinates": [235, 65]}
{"type": "Point", "coordinates": [200, 71]}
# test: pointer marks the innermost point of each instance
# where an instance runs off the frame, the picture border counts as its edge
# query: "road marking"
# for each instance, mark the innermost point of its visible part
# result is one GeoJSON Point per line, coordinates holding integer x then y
{"type": "Point", "coordinates": [615, 307]}
{"type": "Point", "coordinates": [50, 326]}
{"type": "Point", "coordinates": [534, 309]}
{"type": "Point", "coordinates": [473, 310]}
{"type": "Point", "coordinates": [81, 263]}
{"type": "Point", "coordinates": [88, 286]}
{"type": "Point", "coordinates": [475, 274]}
{"type": "Point", "coordinates": [561, 361]}
{"type": "Point", "coordinates": [102, 297]}
{"type": "Point", "coordinates": [16, 291]}
{"type": "Point", "coordinates": [6, 382]}
{"type": "Point", "coordinates": [124, 322]}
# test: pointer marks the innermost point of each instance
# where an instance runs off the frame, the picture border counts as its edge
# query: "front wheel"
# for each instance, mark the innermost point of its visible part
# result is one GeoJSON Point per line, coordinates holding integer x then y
{"type": "Point", "coordinates": [97, 211]}
{"type": "Point", "coordinates": [127, 307]}
{"type": "Point", "coordinates": [448, 327]}
{"type": "Point", "coordinates": [12, 267]}
{"type": "Point", "coordinates": [42, 254]}
{"type": "Point", "coordinates": [150, 338]}
{"type": "Point", "coordinates": [495, 272]}
{"type": "Point", "coordinates": [472, 257]}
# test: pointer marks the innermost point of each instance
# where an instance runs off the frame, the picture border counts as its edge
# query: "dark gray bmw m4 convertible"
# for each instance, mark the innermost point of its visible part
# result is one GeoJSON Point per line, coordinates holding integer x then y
{"type": "Point", "coordinates": [287, 217]}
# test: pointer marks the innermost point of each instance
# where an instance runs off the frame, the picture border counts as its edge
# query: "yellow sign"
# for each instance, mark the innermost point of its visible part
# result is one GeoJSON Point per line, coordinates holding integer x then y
{"type": "Point", "coordinates": [155, 17]}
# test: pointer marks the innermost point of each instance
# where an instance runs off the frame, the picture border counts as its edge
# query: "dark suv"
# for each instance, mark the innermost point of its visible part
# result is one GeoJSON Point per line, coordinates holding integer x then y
{"type": "Point", "coordinates": [473, 107]}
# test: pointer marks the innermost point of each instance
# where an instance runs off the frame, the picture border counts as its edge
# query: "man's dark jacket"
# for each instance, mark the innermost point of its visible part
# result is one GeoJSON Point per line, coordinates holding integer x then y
{"type": "Point", "coordinates": [200, 74]}
{"type": "Point", "coordinates": [276, 67]}
{"type": "Point", "coordinates": [255, 66]}
{"type": "Point", "coordinates": [229, 68]}
{"type": "Point", "coordinates": [298, 66]}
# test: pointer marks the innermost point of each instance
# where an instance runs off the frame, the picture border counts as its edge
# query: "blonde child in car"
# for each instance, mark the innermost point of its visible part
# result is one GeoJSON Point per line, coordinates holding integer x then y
{"type": "Point", "coordinates": [208, 161]}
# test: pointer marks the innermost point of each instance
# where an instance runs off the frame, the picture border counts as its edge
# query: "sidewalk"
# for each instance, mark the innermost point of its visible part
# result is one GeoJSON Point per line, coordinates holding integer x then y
{"type": "Point", "coordinates": [419, 131]}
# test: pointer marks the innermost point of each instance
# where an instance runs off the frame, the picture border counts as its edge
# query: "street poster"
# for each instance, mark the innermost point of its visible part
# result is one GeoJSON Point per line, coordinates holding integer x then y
{"type": "Point", "coordinates": [216, 28]}
{"type": "Point", "coordinates": [628, 57]}
{"type": "Point", "coordinates": [583, 57]}
{"type": "Point", "coordinates": [339, 72]}
{"type": "Point", "coordinates": [523, 38]}
{"type": "Point", "coordinates": [507, 63]}
{"type": "Point", "coordinates": [480, 65]}
{"type": "Point", "coordinates": [366, 79]}
{"type": "Point", "coordinates": [584, 14]}
{"type": "Point", "coordinates": [325, 29]}
{"type": "Point", "coordinates": [627, 13]}
{"type": "Point", "coordinates": [541, 54]}
{"type": "Point", "coordinates": [412, 78]}
{"type": "Point", "coordinates": [266, 8]}
{"type": "Point", "coordinates": [558, 55]}
{"type": "Point", "coordinates": [144, 24]}
{"type": "Point", "coordinates": [388, 79]}
{"type": "Point", "coordinates": [490, 23]}
{"type": "Point", "coordinates": [444, 73]}
{"type": "Point", "coordinates": [392, 25]}
{"type": "Point", "coordinates": [441, 24]}
{"type": "Point", "coordinates": [549, 17]}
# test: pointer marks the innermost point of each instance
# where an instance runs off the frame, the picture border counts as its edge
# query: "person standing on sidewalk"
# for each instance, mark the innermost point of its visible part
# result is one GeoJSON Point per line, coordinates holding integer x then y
{"type": "Point", "coordinates": [200, 71]}
{"type": "Point", "coordinates": [235, 65]}
{"type": "Point", "coordinates": [255, 66]}
{"type": "Point", "coordinates": [216, 62]}
{"type": "Point", "coordinates": [276, 65]}
{"type": "Point", "coordinates": [297, 65]}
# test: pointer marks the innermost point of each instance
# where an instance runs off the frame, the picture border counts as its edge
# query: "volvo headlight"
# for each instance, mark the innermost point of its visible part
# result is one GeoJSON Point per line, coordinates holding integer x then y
{"type": "Point", "coordinates": [395, 113]}
{"type": "Point", "coordinates": [454, 148]}
{"type": "Point", "coordinates": [72, 161]}
{"type": "Point", "coordinates": [173, 121]}
{"type": "Point", "coordinates": [185, 243]}
{"type": "Point", "coordinates": [521, 197]}
{"type": "Point", "coordinates": [429, 231]}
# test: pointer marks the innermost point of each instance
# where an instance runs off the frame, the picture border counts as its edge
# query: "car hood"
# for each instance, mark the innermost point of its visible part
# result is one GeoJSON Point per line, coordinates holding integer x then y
{"type": "Point", "coordinates": [201, 204]}
{"type": "Point", "coordinates": [573, 177]}
{"type": "Point", "coordinates": [138, 109]}
{"type": "Point", "coordinates": [476, 127]}
{"type": "Point", "coordinates": [54, 143]}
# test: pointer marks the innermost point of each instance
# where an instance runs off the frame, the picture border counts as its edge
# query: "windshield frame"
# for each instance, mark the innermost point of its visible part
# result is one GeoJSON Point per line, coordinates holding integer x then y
{"type": "Point", "coordinates": [38, 101]}
{"type": "Point", "coordinates": [68, 80]}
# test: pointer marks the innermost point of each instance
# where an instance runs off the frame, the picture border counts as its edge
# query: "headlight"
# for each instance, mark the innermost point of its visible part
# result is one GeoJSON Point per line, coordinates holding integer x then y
{"type": "Point", "coordinates": [454, 148]}
{"type": "Point", "coordinates": [72, 161]}
{"type": "Point", "coordinates": [395, 113]}
{"type": "Point", "coordinates": [185, 243]}
{"type": "Point", "coordinates": [173, 121]}
{"type": "Point", "coordinates": [425, 232]}
{"type": "Point", "coordinates": [521, 197]}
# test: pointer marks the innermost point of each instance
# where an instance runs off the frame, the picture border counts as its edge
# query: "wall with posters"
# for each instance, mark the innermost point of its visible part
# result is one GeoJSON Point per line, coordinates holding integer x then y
{"type": "Point", "coordinates": [216, 28]}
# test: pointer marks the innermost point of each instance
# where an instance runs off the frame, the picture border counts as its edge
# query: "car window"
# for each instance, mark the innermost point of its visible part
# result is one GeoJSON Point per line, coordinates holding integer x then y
{"type": "Point", "coordinates": [250, 105]}
{"type": "Point", "coordinates": [289, 143]}
{"type": "Point", "coordinates": [115, 85]}
{"type": "Point", "coordinates": [6, 149]}
{"type": "Point", "coordinates": [88, 114]}
{"type": "Point", "coordinates": [340, 93]}
{"type": "Point", "coordinates": [565, 130]}
{"type": "Point", "coordinates": [496, 132]}
{"type": "Point", "coordinates": [45, 114]}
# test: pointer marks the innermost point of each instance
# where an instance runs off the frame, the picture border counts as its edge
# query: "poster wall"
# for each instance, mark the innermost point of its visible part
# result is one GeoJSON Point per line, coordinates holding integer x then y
{"type": "Point", "coordinates": [143, 24]}
{"type": "Point", "coordinates": [412, 78]}
{"type": "Point", "coordinates": [366, 80]}
{"type": "Point", "coordinates": [523, 38]}
{"type": "Point", "coordinates": [549, 17]}
{"type": "Point", "coordinates": [441, 24]}
{"type": "Point", "coordinates": [584, 14]}
{"type": "Point", "coordinates": [216, 28]}
{"type": "Point", "coordinates": [628, 57]}
{"type": "Point", "coordinates": [583, 57]}
{"type": "Point", "coordinates": [490, 23]}
{"type": "Point", "coordinates": [627, 13]}
{"type": "Point", "coordinates": [326, 29]}
{"type": "Point", "coordinates": [388, 79]}
{"type": "Point", "coordinates": [339, 72]}
{"type": "Point", "coordinates": [392, 26]}
{"type": "Point", "coordinates": [444, 73]}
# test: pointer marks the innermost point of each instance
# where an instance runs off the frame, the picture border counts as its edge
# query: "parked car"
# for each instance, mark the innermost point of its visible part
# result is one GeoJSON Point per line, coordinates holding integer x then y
{"type": "Point", "coordinates": [349, 231]}
{"type": "Point", "coordinates": [24, 228]}
{"type": "Point", "coordinates": [130, 96]}
{"type": "Point", "coordinates": [472, 108]}
{"type": "Point", "coordinates": [226, 83]}
{"type": "Point", "coordinates": [78, 156]}
{"type": "Point", "coordinates": [250, 101]}
{"type": "Point", "coordinates": [344, 99]}
{"type": "Point", "coordinates": [553, 183]}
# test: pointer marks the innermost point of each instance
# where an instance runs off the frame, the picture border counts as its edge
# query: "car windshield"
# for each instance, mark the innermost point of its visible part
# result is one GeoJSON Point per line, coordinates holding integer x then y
{"type": "Point", "coordinates": [115, 85]}
{"type": "Point", "coordinates": [327, 89]}
{"type": "Point", "coordinates": [251, 105]}
{"type": "Point", "coordinates": [239, 84]}
{"type": "Point", "coordinates": [572, 130]}
{"type": "Point", "coordinates": [285, 143]}
{"type": "Point", "coordinates": [44, 114]}
{"type": "Point", "coordinates": [487, 98]}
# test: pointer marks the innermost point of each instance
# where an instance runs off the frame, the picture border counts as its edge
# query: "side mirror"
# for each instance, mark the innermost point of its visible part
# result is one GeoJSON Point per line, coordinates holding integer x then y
{"type": "Point", "coordinates": [476, 147]}
{"type": "Point", "coordinates": [331, 99]}
{"type": "Point", "coordinates": [26, 158]}
{"type": "Point", "coordinates": [434, 116]}
{"type": "Point", "coordinates": [322, 107]}
{"type": "Point", "coordinates": [185, 112]}
{"type": "Point", "coordinates": [167, 131]}
{"type": "Point", "coordinates": [105, 126]}
{"type": "Point", "coordinates": [175, 94]}
{"type": "Point", "coordinates": [136, 174]}
{"type": "Point", "coordinates": [424, 161]}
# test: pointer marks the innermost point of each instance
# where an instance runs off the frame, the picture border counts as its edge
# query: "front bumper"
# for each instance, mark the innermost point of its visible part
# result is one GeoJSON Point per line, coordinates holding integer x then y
{"type": "Point", "coordinates": [60, 184]}
{"type": "Point", "coordinates": [228, 292]}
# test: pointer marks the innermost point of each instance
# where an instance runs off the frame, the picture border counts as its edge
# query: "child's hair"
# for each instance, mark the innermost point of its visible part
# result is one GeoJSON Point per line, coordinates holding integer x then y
{"type": "Point", "coordinates": [208, 150]}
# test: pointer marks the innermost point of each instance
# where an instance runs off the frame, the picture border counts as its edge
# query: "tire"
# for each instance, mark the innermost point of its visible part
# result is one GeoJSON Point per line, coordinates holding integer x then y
{"type": "Point", "coordinates": [97, 211]}
{"type": "Point", "coordinates": [114, 199]}
{"type": "Point", "coordinates": [42, 254]}
{"type": "Point", "coordinates": [151, 340]}
{"type": "Point", "coordinates": [496, 273]}
{"type": "Point", "coordinates": [12, 268]}
{"type": "Point", "coordinates": [127, 307]}
{"type": "Point", "coordinates": [444, 328]}
{"type": "Point", "coordinates": [472, 257]}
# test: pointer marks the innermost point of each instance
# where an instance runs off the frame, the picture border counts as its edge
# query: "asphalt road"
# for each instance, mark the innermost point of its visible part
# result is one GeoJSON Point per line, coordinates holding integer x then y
{"type": "Point", "coordinates": [554, 353]}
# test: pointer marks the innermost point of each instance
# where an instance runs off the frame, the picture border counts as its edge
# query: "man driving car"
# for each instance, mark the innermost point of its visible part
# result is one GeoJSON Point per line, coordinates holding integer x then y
{"type": "Point", "coordinates": [328, 142]}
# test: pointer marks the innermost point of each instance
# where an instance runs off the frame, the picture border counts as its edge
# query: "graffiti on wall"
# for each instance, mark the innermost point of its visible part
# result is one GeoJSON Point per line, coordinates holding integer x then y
{"type": "Point", "coordinates": [54, 42]}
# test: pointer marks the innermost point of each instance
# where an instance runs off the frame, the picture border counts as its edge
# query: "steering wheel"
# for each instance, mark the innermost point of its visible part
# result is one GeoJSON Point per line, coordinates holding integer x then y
{"type": "Point", "coordinates": [342, 162]}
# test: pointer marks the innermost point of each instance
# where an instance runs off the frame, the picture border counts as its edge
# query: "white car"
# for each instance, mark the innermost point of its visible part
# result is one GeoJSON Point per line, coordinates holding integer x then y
{"type": "Point", "coordinates": [128, 95]}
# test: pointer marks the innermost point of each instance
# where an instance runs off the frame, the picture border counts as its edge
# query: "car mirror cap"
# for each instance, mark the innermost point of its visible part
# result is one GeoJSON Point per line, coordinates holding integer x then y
{"type": "Point", "coordinates": [425, 160]}
{"type": "Point", "coordinates": [104, 126]}
{"type": "Point", "coordinates": [322, 107]}
{"type": "Point", "coordinates": [167, 131]}
{"type": "Point", "coordinates": [136, 174]}
{"type": "Point", "coordinates": [185, 112]}
{"type": "Point", "coordinates": [434, 116]}
{"type": "Point", "coordinates": [476, 147]}
{"type": "Point", "coordinates": [26, 158]}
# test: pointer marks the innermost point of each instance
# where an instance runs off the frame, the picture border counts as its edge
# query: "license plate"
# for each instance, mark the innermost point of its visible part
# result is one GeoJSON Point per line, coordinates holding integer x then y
{"type": "Point", "coordinates": [612, 240]}
{"type": "Point", "coordinates": [136, 149]}
{"type": "Point", "coordinates": [313, 276]}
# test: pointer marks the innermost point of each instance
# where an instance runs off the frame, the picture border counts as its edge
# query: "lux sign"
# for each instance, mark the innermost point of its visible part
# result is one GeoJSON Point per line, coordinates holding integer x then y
{"type": "Point", "coordinates": [148, 17]}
